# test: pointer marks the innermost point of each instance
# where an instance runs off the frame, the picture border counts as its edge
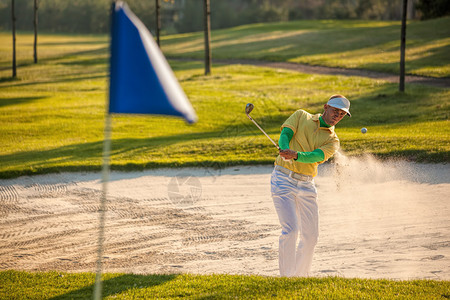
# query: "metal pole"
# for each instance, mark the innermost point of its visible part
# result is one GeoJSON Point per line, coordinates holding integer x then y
{"type": "Point", "coordinates": [103, 200]}
{"type": "Point", "coordinates": [105, 180]}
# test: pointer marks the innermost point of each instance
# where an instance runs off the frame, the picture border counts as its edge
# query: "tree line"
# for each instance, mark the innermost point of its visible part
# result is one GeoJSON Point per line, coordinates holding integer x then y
{"type": "Point", "coordinates": [178, 16]}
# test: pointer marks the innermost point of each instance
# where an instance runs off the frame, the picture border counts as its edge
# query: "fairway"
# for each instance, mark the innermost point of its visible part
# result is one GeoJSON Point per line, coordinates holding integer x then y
{"type": "Point", "coordinates": [60, 102]}
{"type": "Point", "coordinates": [369, 45]}
{"type": "Point", "coordinates": [384, 212]}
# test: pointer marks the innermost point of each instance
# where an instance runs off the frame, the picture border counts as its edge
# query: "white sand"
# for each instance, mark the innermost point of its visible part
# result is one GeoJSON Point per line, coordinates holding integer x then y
{"type": "Point", "coordinates": [379, 220]}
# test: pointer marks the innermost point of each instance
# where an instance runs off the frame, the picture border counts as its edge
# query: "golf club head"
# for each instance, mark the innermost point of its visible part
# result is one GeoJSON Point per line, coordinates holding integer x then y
{"type": "Point", "coordinates": [248, 108]}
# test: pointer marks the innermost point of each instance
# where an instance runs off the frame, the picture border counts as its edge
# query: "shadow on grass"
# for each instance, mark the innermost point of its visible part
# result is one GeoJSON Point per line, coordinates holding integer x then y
{"type": "Point", "coordinates": [434, 58]}
{"type": "Point", "coordinates": [118, 285]}
{"type": "Point", "coordinates": [8, 79]}
{"type": "Point", "coordinates": [88, 156]}
{"type": "Point", "coordinates": [254, 45]}
{"type": "Point", "coordinates": [300, 39]}
{"type": "Point", "coordinates": [74, 43]}
{"type": "Point", "coordinates": [185, 65]}
{"type": "Point", "coordinates": [87, 62]}
{"type": "Point", "coordinates": [56, 58]}
{"type": "Point", "coordinates": [61, 80]}
{"type": "Point", "coordinates": [19, 100]}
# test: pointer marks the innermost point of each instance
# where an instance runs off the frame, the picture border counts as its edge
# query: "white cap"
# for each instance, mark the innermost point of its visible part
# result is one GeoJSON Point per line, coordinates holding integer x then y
{"type": "Point", "coordinates": [341, 103]}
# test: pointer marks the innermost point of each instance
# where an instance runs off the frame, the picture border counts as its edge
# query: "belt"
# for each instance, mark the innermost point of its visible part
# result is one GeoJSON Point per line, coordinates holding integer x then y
{"type": "Point", "coordinates": [294, 175]}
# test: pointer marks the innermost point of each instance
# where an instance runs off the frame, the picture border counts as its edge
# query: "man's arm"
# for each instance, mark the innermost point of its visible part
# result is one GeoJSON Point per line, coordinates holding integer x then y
{"type": "Point", "coordinates": [310, 157]}
{"type": "Point", "coordinates": [285, 137]}
{"type": "Point", "coordinates": [305, 157]}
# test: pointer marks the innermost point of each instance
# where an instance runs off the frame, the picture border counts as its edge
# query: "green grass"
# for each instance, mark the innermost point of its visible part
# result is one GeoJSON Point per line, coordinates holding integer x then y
{"type": "Point", "coordinates": [52, 115]}
{"type": "Point", "coordinates": [371, 45]}
{"type": "Point", "coordinates": [55, 285]}
{"type": "Point", "coordinates": [52, 118]}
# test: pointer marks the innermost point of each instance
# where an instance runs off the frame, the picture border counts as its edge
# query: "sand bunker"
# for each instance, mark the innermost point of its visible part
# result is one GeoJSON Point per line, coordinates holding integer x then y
{"type": "Point", "coordinates": [377, 220]}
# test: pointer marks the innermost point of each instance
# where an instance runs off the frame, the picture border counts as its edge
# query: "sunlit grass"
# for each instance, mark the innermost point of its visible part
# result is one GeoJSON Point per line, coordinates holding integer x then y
{"type": "Point", "coordinates": [371, 45]}
{"type": "Point", "coordinates": [52, 115]}
{"type": "Point", "coordinates": [56, 285]}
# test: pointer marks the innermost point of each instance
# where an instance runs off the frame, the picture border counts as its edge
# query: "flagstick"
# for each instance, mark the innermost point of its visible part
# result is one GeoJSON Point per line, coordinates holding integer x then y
{"type": "Point", "coordinates": [103, 199]}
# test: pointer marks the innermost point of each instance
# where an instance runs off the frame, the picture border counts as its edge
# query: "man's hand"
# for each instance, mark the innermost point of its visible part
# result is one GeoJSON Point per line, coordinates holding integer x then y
{"type": "Point", "coordinates": [288, 154]}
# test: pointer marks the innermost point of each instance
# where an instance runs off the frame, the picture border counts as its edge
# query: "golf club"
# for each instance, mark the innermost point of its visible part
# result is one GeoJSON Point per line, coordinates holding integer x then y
{"type": "Point", "coordinates": [248, 110]}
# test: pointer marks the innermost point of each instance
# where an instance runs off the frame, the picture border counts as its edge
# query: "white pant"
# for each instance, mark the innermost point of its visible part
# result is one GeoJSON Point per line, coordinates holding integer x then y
{"type": "Point", "coordinates": [296, 204]}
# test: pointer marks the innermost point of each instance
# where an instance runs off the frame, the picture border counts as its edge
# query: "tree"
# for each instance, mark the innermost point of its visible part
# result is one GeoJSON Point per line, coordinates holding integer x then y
{"type": "Point", "coordinates": [207, 23]}
{"type": "Point", "coordinates": [13, 18]}
{"type": "Point", "coordinates": [433, 8]}
{"type": "Point", "coordinates": [402, 47]}
{"type": "Point", "coordinates": [35, 30]}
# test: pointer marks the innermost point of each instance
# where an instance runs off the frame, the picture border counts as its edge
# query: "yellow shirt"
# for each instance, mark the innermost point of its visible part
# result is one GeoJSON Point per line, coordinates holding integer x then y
{"type": "Point", "coordinates": [308, 136]}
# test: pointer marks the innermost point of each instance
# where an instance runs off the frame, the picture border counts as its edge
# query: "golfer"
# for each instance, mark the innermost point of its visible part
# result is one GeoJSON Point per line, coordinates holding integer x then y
{"type": "Point", "coordinates": [306, 141]}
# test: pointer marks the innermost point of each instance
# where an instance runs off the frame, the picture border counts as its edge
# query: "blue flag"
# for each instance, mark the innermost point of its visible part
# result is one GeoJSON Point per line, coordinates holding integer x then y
{"type": "Point", "coordinates": [141, 80]}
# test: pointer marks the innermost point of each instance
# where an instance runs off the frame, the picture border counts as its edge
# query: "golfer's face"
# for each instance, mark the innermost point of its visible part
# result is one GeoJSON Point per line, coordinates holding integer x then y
{"type": "Point", "coordinates": [332, 115]}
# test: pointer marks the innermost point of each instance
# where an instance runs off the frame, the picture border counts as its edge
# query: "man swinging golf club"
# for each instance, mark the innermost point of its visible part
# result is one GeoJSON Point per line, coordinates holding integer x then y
{"type": "Point", "coordinates": [306, 141]}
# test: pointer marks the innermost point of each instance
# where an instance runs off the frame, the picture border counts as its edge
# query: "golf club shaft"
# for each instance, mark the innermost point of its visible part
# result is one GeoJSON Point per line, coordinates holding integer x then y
{"type": "Point", "coordinates": [275, 144]}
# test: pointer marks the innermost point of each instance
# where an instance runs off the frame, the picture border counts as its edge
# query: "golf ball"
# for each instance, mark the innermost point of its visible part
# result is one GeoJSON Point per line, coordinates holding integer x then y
{"type": "Point", "coordinates": [364, 130]}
